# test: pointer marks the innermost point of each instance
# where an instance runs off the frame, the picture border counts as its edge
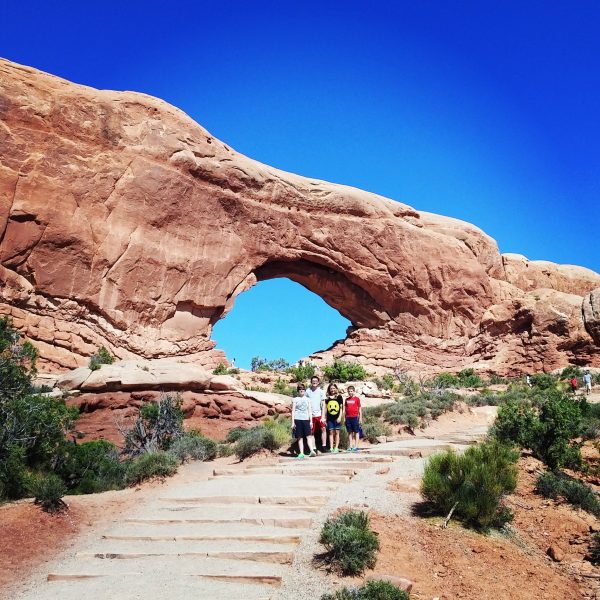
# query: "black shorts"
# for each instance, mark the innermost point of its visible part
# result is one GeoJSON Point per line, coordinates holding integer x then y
{"type": "Point", "coordinates": [352, 425]}
{"type": "Point", "coordinates": [302, 428]}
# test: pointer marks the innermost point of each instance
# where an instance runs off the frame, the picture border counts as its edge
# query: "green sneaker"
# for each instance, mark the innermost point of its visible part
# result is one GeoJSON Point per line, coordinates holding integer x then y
{"type": "Point", "coordinates": [300, 456]}
{"type": "Point", "coordinates": [336, 450]}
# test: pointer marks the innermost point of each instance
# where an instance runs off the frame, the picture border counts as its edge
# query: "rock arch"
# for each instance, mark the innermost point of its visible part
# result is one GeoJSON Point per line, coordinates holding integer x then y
{"type": "Point", "coordinates": [125, 223]}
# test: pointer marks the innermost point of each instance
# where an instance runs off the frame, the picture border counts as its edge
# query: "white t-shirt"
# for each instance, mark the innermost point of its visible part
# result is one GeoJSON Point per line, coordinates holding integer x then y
{"type": "Point", "coordinates": [301, 408]}
{"type": "Point", "coordinates": [316, 397]}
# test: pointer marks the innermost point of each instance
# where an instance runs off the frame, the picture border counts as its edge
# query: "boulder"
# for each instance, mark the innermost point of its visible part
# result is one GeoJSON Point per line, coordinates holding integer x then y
{"type": "Point", "coordinates": [224, 383]}
{"type": "Point", "coordinates": [73, 380]}
{"type": "Point", "coordinates": [591, 314]}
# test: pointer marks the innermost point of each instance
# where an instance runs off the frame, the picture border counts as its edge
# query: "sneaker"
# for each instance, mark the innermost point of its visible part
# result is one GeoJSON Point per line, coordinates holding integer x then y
{"type": "Point", "coordinates": [312, 454]}
{"type": "Point", "coordinates": [336, 450]}
{"type": "Point", "coordinates": [331, 450]}
{"type": "Point", "coordinates": [300, 456]}
{"type": "Point", "coordinates": [355, 449]}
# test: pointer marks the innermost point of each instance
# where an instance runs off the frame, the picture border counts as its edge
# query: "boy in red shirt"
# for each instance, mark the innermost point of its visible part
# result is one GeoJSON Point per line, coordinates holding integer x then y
{"type": "Point", "coordinates": [353, 417]}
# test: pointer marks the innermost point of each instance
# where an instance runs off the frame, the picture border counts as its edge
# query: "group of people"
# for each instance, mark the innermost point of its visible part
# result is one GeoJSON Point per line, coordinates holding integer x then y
{"type": "Point", "coordinates": [315, 411]}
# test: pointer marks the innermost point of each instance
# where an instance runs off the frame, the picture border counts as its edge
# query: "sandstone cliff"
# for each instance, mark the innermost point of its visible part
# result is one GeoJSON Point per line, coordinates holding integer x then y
{"type": "Point", "coordinates": [125, 223]}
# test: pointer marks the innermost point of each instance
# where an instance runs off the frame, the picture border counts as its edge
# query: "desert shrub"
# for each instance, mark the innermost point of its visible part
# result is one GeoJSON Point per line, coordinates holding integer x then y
{"type": "Point", "coordinates": [151, 464]}
{"type": "Point", "coordinates": [344, 439]}
{"type": "Point", "coordinates": [225, 450]}
{"type": "Point", "coordinates": [575, 492]}
{"type": "Point", "coordinates": [590, 425]}
{"type": "Point", "coordinates": [374, 428]}
{"type": "Point", "coordinates": [48, 490]}
{"type": "Point", "coordinates": [371, 590]}
{"type": "Point", "coordinates": [233, 371]}
{"type": "Point", "coordinates": [281, 386]}
{"type": "Point", "coordinates": [596, 378]}
{"type": "Point", "coordinates": [350, 543]}
{"type": "Point", "coordinates": [256, 439]}
{"type": "Point", "coordinates": [385, 382]}
{"type": "Point", "coordinates": [280, 427]}
{"type": "Point", "coordinates": [543, 381]}
{"type": "Point", "coordinates": [413, 411]}
{"type": "Point", "coordinates": [101, 357]}
{"type": "Point", "coordinates": [91, 467]}
{"type": "Point", "coordinates": [233, 435]}
{"type": "Point", "coordinates": [474, 482]}
{"type": "Point", "coordinates": [342, 371]}
{"type": "Point", "coordinates": [375, 412]}
{"type": "Point", "coordinates": [571, 371]}
{"type": "Point", "coordinates": [594, 550]}
{"type": "Point", "coordinates": [302, 372]}
{"type": "Point", "coordinates": [221, 369]}
{"type": "Point", "coordinates": [548, 428]}
{"type": "Point", "coordinates": [194, 446]}
{"type": "Point", "coordinates": [494, 379]}
{"type": "Point", "coordinates": [158, 425]}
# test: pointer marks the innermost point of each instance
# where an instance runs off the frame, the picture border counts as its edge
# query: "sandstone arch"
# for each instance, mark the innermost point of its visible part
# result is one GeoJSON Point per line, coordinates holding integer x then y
{"type": "Point", "coordinates": [125, 223]}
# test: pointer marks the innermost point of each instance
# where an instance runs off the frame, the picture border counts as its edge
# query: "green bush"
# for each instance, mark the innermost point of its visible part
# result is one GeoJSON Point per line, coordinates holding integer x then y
{"type": "Point", "coordinates": [225, 450]}
{"type": "Point", "coordinates": [194, 446]}
{"type": "Point", "coordinates": [371, 590]}
{"type": "Point", "coordinates": [159, 424]}
{"type": "Point", "coordinates": [350, 543]}
{"type": "Point", "coordinates": [343, 371]}
{"type": "Point", "coordinates": [280, 427]}
{"type": "Point", "coordinates": [575, 492]}
{"type": "Point", "coordinates": [221, 369]}
{"type": "Point", "coordinates": [256, 439]}
{"type": "Point", "coordinates": [281, 386]}
{"type": "Point", "coordinates": [91, 467]}
{"type": "Point", "coordinates": [262, 364]}
{"type": "Point", "coordinates": [548, 428]}
{"type": "Point", "coordinates": [415, 410]}
{"type": "Point", "coordinates": [233, 435]}
{"type": "Point", "coordinates": [48, 491]}
{"type": "Point", "coordinates": [385, 382]}
{"type": "Point", "coordinates": [543, 381]}
{"type": "Point", "coordinates": [475, 482]}
{"type": "Point", "coordinates": [151, 464]}
{"type": "Point", "coordinates": [372, 429]}
{"type": "Point", "coordinates": [375, 412]}
{"type": "Point", "coordinates": [302, 372]}
{"type": "Point", "coordinates": [571, 371]}
{"type": "Point", "coordinates": [101, 357]}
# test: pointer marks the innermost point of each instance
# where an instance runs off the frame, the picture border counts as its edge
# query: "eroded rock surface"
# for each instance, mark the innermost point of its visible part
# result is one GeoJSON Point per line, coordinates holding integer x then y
{"type": "Point", "coordinates": [124, 223]}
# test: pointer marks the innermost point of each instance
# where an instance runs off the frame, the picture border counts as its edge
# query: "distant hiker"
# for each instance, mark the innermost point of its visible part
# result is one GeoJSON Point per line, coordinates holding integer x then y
{"type": "Point", "coordinates": [301, 422]}
{"type": "Point", "coordinates": [353, 412]}
{"type": "Point", "coordinates": [573, 383]}
{"type": "Point", "coordinates": [317, 399]}
{"type": "Point", "coordinates": [587, 380]}
{"type": "Point", "coordinates": [233, 363]}
{"type": "Point", "coordinates": [528, 380]}
{"type": "Point", "coordinates": [334, 405]}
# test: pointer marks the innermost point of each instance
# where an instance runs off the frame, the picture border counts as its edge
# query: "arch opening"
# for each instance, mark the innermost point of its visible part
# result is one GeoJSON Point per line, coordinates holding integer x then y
{"type": "Point", "coordinates": [278, 318]}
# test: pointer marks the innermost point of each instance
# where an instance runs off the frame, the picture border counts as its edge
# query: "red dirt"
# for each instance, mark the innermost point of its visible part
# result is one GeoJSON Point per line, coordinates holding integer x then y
{"type": "Point", "coordinates": [459, 563]}
{"type": "Point", "coordinates": [28, 536]}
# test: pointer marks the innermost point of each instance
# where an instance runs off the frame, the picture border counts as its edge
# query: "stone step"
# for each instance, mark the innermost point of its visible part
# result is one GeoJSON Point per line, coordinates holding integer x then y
{"type": "Point", "coordinates": [291, 469]}
{"type": "Point", "coordinates": [220, 510]}
{"type": "Point", "coordinates": [348, 459]}
{"type": "Point", "coordinates": [247, 538]}
{"type": "Point", "coordinates": [287, 522]}
{"type": "Point", "coordinates": [307, 476]}
{"type": "Point", "coordinates": [311, 500]}
{"type": "Point", "coordinates": [268, 556]}
{"type": "Point", "coordinates": [154, 586]}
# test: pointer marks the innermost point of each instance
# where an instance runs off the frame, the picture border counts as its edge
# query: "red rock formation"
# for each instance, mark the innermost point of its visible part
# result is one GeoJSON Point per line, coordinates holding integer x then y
{"type": "Point", "coordinates": [125, 223]}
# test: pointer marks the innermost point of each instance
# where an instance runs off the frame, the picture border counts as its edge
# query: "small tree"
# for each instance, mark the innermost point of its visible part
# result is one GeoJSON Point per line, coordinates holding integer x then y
{"type": "Point", "coordinates": [158, 425]}
{"type": "Point", "coordinates": [101, 357]}
{"type": "Point", "coordinates": [343, 371]}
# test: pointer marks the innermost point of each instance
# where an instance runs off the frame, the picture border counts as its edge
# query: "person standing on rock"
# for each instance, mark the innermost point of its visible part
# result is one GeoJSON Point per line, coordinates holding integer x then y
{"type": "Point", "coordinates": [334, 406]}
{"type": "Point", "coordinates": [317, 399]}
{"type": "Point", "coordinates": [587, 380]}
{"type": "Point", "coordinates": [301, 422]}
{"type": "Point", "coordinates": [353, 412]}
{"type": "Point", "coordinates": [573, 383]}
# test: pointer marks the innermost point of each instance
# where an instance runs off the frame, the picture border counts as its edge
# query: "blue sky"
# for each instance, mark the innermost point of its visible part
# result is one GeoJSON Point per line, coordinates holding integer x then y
{"type": "Point", "coordinates": [479, 110]}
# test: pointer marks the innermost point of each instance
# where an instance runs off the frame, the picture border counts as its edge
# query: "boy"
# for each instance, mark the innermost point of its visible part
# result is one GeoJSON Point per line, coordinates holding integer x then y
{"type": "Point", "coordinates": [301, 421]}
{"type": "Point", "coordinates": [353, 412]}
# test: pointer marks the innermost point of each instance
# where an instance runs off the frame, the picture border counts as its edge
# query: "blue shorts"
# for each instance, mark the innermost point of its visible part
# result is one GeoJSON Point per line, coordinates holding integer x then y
{"type": "Point", "coordinates": [302, 428]}
{"type": "Point", "coordinates": [352, 425]}
{"type": "Point", "coordinates": [333, 425]}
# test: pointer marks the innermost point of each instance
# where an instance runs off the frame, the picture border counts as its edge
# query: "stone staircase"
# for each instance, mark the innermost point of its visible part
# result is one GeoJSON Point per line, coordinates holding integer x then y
{"type": "Point", "coordinates": [232, 535]}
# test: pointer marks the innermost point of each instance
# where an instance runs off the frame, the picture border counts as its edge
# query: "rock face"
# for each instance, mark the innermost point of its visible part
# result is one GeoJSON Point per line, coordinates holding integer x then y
{"type": "Point", "coordinates": [124, 223]}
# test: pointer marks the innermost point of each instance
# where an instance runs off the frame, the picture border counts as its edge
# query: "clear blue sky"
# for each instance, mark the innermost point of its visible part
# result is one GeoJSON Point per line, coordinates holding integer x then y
{"type": "Point", "coordinates": [484, 111]}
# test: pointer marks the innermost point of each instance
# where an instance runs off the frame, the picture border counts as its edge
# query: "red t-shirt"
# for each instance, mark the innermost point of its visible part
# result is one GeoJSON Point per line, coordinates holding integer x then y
{"type": "Point", "coordinates": [352, 406]}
